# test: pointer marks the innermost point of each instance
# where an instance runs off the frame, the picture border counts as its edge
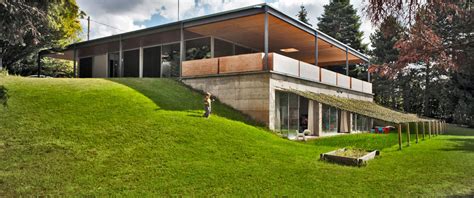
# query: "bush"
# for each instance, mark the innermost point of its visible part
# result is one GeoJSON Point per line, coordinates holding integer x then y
{"type": "Point", "coordinates": [3, 72]}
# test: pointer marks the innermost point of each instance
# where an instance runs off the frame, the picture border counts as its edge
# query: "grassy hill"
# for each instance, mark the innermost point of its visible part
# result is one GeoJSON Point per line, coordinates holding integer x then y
{"type": "Point", "coordinates": [139, 137]}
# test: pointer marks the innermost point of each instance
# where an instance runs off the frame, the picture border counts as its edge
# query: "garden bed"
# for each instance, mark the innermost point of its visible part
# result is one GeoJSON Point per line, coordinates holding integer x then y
{"type": "Point", "coordinates": [353, 157]}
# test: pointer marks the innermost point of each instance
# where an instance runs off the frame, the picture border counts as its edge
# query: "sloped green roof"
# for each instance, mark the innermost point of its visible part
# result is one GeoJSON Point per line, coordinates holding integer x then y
{"type": "Point", "coordinates": [366, 108]}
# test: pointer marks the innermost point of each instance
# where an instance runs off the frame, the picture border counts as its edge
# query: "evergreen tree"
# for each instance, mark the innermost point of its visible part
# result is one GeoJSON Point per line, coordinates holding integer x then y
{"type": "Point", "coordinates": [387, 87]}
{"type": "Point", "coordinates": [340, 20]}
{"type": "Point", "coordinates": [303, 15]}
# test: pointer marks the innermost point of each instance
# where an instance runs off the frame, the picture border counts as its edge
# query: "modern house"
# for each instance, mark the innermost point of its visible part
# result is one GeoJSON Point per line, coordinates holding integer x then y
{"type": "Point", "coordinates": [258, 60]}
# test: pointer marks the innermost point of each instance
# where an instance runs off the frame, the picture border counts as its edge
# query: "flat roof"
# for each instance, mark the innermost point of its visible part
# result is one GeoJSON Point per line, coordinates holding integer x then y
{"type": "Point", "coordinates": [221, 16]}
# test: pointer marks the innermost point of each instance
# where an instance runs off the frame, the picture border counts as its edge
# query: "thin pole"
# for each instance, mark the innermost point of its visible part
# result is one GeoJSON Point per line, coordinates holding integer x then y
{"type": "Point", "coordinates": [408, 134]}
{"type": "Point", "coordinates": [178, 10]}
{"type": "Point", "coordinates": [429, 129]}
{"type": "Point", "coordinates": [75, 61]}
{"type": "Point", "coordinates": [347, 62]}
{"type": "Point", "coordinates": [316, 50]}
{"type": "Point", "coordinates": [265, 39]}
{"type": "Point", "coordinates": [39, 63]}
{"type": "Point", "coordinates": [400, 136]}
{"type": "Point", "coordinates": [423, 130]}
{"type": "Point", "coordinates": [416, 131]}
{"type": "Point", "coordinates": [368, 73]}
{"type": "Point", "coordinates": [88, 26]}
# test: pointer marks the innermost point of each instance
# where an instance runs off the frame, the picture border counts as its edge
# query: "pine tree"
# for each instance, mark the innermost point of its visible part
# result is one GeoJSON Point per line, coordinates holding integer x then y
{"type": "Point", "coordinates": [340, 20]}
{"type": "Point", "coordinates": [303, 15]}
{"type": "Point", "coordinates": [387, 87]}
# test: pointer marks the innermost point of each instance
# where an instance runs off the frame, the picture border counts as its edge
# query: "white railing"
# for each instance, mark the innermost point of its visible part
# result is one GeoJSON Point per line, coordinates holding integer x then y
{"type": "Point", "coordinates": [328, 77]}
{"type": "Point", "coordinates": [285, 65]}
{"type": "Point", "coordinates": [308, 71]}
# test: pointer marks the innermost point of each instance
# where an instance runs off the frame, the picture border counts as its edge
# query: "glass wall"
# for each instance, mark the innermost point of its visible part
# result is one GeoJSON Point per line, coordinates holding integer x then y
{"type": "Point", "coordinates": [291, 113]}
{"type": "Point", "coordinates": [152, 62]}
{"type": "Point", "coordinates": [170, 57]}
{"type": "Point", "coordinates": [329, 119]}
{"type": "Point", "coordinates": [198, 48]}
{"type": "Point", "coordinates": [360, 122]}
{"type": "Point", "coordinates": [131, 61]}
{"type": "Point", "coordinates": [223, 48]}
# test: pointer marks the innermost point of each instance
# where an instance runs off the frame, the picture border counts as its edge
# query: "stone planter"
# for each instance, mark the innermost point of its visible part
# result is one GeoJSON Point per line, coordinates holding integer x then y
{"type": "Point", "coordinates": [335, 156]}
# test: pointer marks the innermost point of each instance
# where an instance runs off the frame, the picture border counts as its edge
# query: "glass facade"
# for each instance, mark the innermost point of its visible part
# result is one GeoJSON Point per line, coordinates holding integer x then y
{"type": "Point", "coordinates": [360, 122]}
{"type": "Point", "coordinates": [330, 119]}
{"type": "Point", "coordinates": [198, 48]}
{"type": "Point", "coordinates": [170, 58]}
{"type": "Point", "coordinates": [223, 48]}
{"type": "Point", "coordinates": [291, 114]}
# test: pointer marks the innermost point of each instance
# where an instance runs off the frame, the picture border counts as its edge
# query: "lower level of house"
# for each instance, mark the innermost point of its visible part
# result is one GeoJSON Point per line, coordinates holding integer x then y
{"type": "Point", "coordinates": [265, 97]}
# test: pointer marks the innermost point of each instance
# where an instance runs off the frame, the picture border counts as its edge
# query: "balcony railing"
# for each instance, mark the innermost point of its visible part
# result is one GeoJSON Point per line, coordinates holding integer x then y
{"type": "Point", "coordinates": [277, 63]}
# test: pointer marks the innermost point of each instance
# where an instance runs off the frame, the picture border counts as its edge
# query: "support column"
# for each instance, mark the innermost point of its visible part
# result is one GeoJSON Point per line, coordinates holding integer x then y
{"type": "Point", "coordinates": [120, 73]}
{"type": "Point", "coordinates": [416, 131]}
{"type": "Point", "coordinates": [182, 53]}
{"type": "Point", "coordinates": [429, 129]}
{"type": "Point", "coordinates": [75, 62]}
{"type": "Point", "coordinates": [140, 63]}
{"type": "Point", "coordinates": [350, 122]}
{"type": "Point", "coordinates": [317, 118]}
{"type": "Point", "coordinates": [347, 61]}
{"type": "Point", "coordinates": [38, 61]}
{"type": "Point", "coordinates": [408, 134]}
{"type": "Point", "coordinates": [368, 73]}
{"type": "Point", "coordinates": [400, 136]}
{"type": "Point", "coordinates": [316, 50]}
{"type": "Point", "coordinates": [423, 130]}
{"type": "Point", "coordinates": [265, 40]}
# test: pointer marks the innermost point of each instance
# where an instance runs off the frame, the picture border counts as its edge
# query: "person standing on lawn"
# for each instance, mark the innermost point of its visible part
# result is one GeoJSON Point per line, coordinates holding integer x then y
{"type": "Point", "coordinates": [207, 105]}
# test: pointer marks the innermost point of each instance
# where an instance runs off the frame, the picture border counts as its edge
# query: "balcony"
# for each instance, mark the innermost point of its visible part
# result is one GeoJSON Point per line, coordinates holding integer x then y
{"type": "Point", "coordinates": [278, 64]}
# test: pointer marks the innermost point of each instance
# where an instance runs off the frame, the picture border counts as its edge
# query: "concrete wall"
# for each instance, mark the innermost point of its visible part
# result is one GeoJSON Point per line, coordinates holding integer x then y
{"type": "Point", "coordinates": [99, 66]}
{"type": "Point", "coordinates": [248, 93]}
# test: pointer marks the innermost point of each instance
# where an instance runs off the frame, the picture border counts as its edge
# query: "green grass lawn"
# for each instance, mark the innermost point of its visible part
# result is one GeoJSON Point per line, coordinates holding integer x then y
{"type": "Point", "coordinates": [136, 137]}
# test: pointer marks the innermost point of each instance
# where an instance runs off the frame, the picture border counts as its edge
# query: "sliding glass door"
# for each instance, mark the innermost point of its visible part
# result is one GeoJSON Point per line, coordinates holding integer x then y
{"type": "Point", "coordinates": [170, 58]}
{"type": "Point", "coordinates": [287, 113]}
{"type": "Point", "coordinates": [330, 119]}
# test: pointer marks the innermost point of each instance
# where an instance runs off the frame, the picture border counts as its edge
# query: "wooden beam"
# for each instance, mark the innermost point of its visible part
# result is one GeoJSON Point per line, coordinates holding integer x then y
{"type": "Point", "coordinates": [429, 129]}
{"type": "Point", "coordinates": [416, 131]}
{"type": "Point", "coordinates": [400, 136]}
{"type": "Point", "coordinates": [423, 137]}
{"type": "Point", "coordinates": [408, 134]}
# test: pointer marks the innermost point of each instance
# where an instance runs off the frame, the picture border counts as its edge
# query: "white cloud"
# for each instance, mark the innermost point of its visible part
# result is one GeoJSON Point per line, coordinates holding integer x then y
{"type": "Point", "coordinates": [127, 15]}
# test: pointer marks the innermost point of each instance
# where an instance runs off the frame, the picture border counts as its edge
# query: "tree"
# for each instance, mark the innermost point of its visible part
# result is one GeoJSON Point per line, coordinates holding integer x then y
{"type": "Point", "coordinates": [29, 26]}
{"type": "Point", "coordinates": [440, 39]}
{"type": "Point", "coordinates": [303, 15]}
{"type": "Point", "coordinates": [386, 87]}
{"type": "Point", "coordinates": [340, 20]}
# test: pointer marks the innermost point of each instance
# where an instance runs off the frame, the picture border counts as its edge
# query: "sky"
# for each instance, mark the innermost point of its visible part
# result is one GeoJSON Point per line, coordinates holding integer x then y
{"type": "Point", "coordinates": [125, 15]}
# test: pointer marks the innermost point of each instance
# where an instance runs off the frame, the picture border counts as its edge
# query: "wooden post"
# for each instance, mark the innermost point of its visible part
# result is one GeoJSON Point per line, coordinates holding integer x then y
{"type": "Point", "coordinates": [416, 131]}
{"type": "Point", "coordinates": [400, 136]}
{"type": "Point", "coordinates": [423, 127]}
{"type": "Point", "coordinates": [429, 129]}
{"type": "Point", "coordinates": [408, 134]}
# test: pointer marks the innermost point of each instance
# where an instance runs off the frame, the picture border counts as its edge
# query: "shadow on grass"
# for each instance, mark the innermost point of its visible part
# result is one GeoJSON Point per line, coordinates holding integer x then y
{"type": "Point", "coordinates": [170, 94]}
{"type": "Point", "coordinates": [461, 144]}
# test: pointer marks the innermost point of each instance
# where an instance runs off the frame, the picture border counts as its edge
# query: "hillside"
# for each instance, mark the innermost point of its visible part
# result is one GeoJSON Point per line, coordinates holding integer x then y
{"type": "Point", "coordinates": [146, 136]}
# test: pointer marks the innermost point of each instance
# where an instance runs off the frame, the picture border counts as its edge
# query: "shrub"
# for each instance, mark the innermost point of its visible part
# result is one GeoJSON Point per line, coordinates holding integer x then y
{"type": "Point", "coordinates": [3, 95]}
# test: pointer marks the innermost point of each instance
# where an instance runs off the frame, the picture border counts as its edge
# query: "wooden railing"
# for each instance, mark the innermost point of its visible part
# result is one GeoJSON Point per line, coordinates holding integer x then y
{"type": "Point", "coordinates": [277, 63]}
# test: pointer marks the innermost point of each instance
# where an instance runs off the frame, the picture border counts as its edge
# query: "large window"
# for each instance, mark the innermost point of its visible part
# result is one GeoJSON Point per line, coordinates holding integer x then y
{"type": "Point", "coordinates": [291, 113]}
{"type": "Point", "coordinates": [360, 122]}
{"type": "Point", "coordinates": [223, 48]}
{"type": "Point", "coordinates": [198, 48]}
{"type": "Point", "coordinates": [131, 63]}
{"type": "Point", "coordinates": [85, 67]}
{"type": "Point", "coordinates": [170, 57]}
{"type": "Point", "coordinates": [152, 62]}
{"type": "Point", "coordinates": [330, 119]}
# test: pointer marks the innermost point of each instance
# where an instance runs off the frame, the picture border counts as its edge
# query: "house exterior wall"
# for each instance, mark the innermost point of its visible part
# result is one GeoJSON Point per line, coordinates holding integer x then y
{"type": "Point", "coordinates": [248, 93]}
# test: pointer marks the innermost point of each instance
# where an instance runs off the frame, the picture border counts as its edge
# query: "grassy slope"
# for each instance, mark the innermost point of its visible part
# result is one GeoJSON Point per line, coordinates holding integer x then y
{"type": "Point", "coordinates": [136, 137]}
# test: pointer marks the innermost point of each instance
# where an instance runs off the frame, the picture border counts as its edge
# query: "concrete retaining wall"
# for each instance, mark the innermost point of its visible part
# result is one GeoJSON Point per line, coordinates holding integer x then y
{"type": "Point", "coordinates": [248, 93]}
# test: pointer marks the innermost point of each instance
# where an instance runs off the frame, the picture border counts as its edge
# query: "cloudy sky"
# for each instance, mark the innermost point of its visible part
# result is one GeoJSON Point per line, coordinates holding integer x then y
{"type": "Point", "coordinates": [126, 15]}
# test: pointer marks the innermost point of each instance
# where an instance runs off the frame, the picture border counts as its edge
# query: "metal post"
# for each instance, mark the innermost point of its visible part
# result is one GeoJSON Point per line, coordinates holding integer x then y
{"type": "Point", "coordinates": [347, 62]}
{"type": "Point", "coordinates": [368, 73]}
{"type": "Point", "coordinates": [182, 53]}
{"type": "Point", "coordinates": [88, 26]}
{"type": "Point", "coordinates": [265, 39]}
{"type": "Point", "coordinates": [75, 62]}
{"type": "Point", "coordinates": [316, 50]}
{"type": "Point", "coordinates": [120, 58]}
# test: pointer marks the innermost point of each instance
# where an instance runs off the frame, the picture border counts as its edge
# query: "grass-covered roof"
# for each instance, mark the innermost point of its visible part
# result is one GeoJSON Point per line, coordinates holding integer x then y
{"type": "Point", "coordinates": [366, 108]}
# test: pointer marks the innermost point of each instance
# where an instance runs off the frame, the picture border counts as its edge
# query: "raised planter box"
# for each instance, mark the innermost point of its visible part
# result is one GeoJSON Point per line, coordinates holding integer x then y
{"type": "Point", "coordinates": [346, 157]}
